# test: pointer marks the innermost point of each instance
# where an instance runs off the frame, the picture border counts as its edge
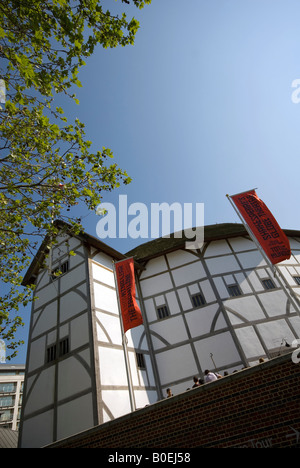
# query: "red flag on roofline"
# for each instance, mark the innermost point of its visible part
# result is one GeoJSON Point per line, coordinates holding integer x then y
{"type": "Point", "coordinates": [263, 225]}
{"type": "Point", "coordinates": [130, 311]}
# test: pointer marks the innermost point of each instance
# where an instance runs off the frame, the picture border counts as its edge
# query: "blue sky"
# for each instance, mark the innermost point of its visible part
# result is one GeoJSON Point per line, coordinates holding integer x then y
{"type": "Point", "coordinates": [199, 107]}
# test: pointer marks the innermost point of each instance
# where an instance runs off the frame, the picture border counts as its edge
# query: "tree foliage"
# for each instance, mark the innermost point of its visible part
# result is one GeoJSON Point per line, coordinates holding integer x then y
{"type": "Point", "coordinates": [46, 162]}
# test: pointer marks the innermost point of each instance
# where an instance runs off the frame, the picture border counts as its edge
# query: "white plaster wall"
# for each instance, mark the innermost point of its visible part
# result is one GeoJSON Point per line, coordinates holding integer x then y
{"type": "Point", "coordinates": [188, 273]}
{"type": "Point", "coordinates": [123, 403]}
{"type": "Point", "coordinates": [73, 377]}
{"type": "Point", "coordinates": [75, 416]}
{"type": "Point", "coordinates": [200, 320]}
{"type": "Point", "coordinates": [156, 284]}
{"type": "Point", "coordinates": [250, 342]}
{"type": "Point", "coordinates": [176, 363]}
{"type": "Point", "coordinates": [73, 303]}
{"type": "Point", "coordinates": [44, 319]}
{"type": "Point", "coordinates": [221, 346]}
{"type": "Point", "coordinates": [172, 330]}
{"type": "Point", "coordinates": [40, 390]}
{"type": "Point", "coordinates": [38, 430]}
{"type": "Point", "coordinates": [112, 367]}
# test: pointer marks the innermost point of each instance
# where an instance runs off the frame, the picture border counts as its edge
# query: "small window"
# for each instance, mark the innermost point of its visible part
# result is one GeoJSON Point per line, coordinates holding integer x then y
{"type": "Point", "coordinates": [163, 312]}
{"type": "Point", "coordinates": [140, 361]}
{"type": "Point", "coordinates": [64, 346]}
{"type": "Point", "coordinates": [234, 290]}
{"type": "Point", "coordinates": [268, 284]}
{"type": "Point", "coordinates": [297, 279]}
{"type": "Point", "coordinates": [51, 353]}
{"type": "Point", "coordinates": [198, 300]}
{"type": "Point", "coordinates": [61, 270]}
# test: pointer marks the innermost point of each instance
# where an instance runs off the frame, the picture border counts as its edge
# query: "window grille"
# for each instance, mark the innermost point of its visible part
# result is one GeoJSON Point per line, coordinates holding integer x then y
{"type": "Point", "coordinates": [198, 300]}
{"type": "Point", "coordinates": [61, 270]}
{"type": "Point", "coordinates": [268, 284]}
{"type": "Point", "coordinates": [163, 312]}
{"type": "Point", "coordinates": [140, 361]}
{"type": "Point", "coordinates": [234, 290]}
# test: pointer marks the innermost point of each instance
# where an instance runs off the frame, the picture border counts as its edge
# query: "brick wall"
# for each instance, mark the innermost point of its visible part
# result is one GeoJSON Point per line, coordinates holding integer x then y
{"type": "Point", "coordinates": [257, 407]}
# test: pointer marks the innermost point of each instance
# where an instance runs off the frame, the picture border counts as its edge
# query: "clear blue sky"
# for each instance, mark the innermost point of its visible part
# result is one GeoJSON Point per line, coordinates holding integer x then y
{"type": "Point", "coordinates": [200, 107]}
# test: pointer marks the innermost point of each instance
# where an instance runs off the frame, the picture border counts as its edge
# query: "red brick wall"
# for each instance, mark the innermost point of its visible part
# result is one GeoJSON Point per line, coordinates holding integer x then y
{"type": "Point", "coordinates": [257, 407]}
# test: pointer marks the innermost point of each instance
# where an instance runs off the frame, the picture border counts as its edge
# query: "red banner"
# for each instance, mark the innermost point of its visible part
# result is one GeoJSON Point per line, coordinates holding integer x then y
{"type": "Point", "coordinates": [263, 226]}
{"type": "Point", "coordinates": [130, 311]}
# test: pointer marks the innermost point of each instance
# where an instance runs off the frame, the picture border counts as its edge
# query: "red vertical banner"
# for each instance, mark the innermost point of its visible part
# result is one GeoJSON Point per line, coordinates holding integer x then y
{"type": "Point", "coordinates": [263, 226]}
{"type": "Point", "coordinates": [131, 314]}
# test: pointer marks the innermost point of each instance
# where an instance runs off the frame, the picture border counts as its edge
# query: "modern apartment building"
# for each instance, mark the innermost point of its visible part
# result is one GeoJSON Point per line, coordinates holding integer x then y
{"type": "Point", "coordinates": [11, 393]}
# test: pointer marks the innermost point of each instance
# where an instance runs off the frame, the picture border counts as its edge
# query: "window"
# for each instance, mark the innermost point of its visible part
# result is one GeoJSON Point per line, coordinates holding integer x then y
{"type": "Point", "coordinates": [63, 348]}
{"type": "Point", "coordinates": [6, 401]}
{"type": "Point", "coordinates": [198, 300]}
{"type": "Point", "coordinates": [297, 279]}
{"type": "Point", "coordinates": [8, 387]}
{"type": "Point", "coordinates": [51, 353]}
{"type": "Point", "coordinates": [140, 361]}
{"type": "Point", "coordinates": [61, 270]}
{"type": "Point", "coordinates": [234, 290]}
{"type": "Point", "coordinates": [163, 312]}
{"type": "Point", "coordinates": [268, 284]}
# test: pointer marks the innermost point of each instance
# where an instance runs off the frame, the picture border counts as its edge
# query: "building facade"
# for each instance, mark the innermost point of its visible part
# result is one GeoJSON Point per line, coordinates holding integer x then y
{"type": "Point", "coordinates": [11, 393]}
{"type": "Point", "coordinates": [220, 308]}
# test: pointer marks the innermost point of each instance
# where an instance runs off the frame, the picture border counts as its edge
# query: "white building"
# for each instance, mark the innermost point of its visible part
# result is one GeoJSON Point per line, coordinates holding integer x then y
{"type": "Point", "coordinates": [11, 393]}
{"type": "Point", "coordinates": [220, 309]}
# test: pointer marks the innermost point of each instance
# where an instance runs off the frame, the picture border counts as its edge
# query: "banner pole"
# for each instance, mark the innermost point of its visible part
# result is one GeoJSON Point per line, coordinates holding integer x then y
{"type": "Point", "coordinates": [124, 344]}
{"type": "Point", "coordinates": [275, 270]}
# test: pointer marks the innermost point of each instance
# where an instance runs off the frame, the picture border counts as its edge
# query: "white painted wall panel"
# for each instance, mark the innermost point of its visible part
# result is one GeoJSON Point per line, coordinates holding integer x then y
{"type": "Point", "coordinates": [274, 332]}
{"type": "Point", "coordinates": [38, 430]}
{"type": "Point", "coordinates": [200, 320]}
{"type": "Point", "coordinates": [221, 288]}
{"type": "Point", "coordinates": [171, 329]}
{"type": "Point", "coordinates": [225, 264]}
{"type": "Point", "coordinates": [157, 265]}
{"type": "Point", "coordinates": [73, 277]}
{"type": "Point", "coordinates": [105, 298]}
{"type": "Point", "coordinates": [79, 332]}
{"type": "Point", "coordinates": [184, 297]}
{"type": "Point", "coordinates": [172, 303]}
{"type": "Point", "coordinates": [239, 244]}
{"type": "Point", "coordinates": [110, 397]}
{"type": "Point", "coordinates": [221, 346]}
{"type": "Point", "coordinates": [274, 302]}
{"type": "Point", "coordinates": [109, 329]}
{"type": "Point", "coordinates": [68, 421]}
{"type": "Point", "coordinates": [40, 390]}
{"type": "Point", "coordinates": [248, 307]}
{"type": "Point", "coordinates": [103, 275]}
{"type": "Point", "coordinates": [44, 319]}
{"type": "Point", "coordinates": [180, 257]}
{"type": "Point", "coordinates": [72, 378]}
{"type": "Point", "coordinates": [188, 273]}
{"type": "Point", "coordinates": [217, 248]}
{"type": "Point", "coordinates": [112, 366]}
{"type": "Point", "coordinates": [208, 291]}
{"type": "Point", "coordinates": [37, 351]}
{"type": "Point", "coordinates": [45, 295]}
{"type": "Point", "coordinates": [249, 341]}
{"type": "Point", "coordinates": [71, 304]}
{"type": "Point", "coordinates": [251, 259]}
{"type": "Point", "coordinates": [150, 310]}
{"type": "Point", "coordinates": [104, 260]}
{"type": "Point", "coordinates": [176, 363]}
{"type": "Point", "coordinates": [156, 285]}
